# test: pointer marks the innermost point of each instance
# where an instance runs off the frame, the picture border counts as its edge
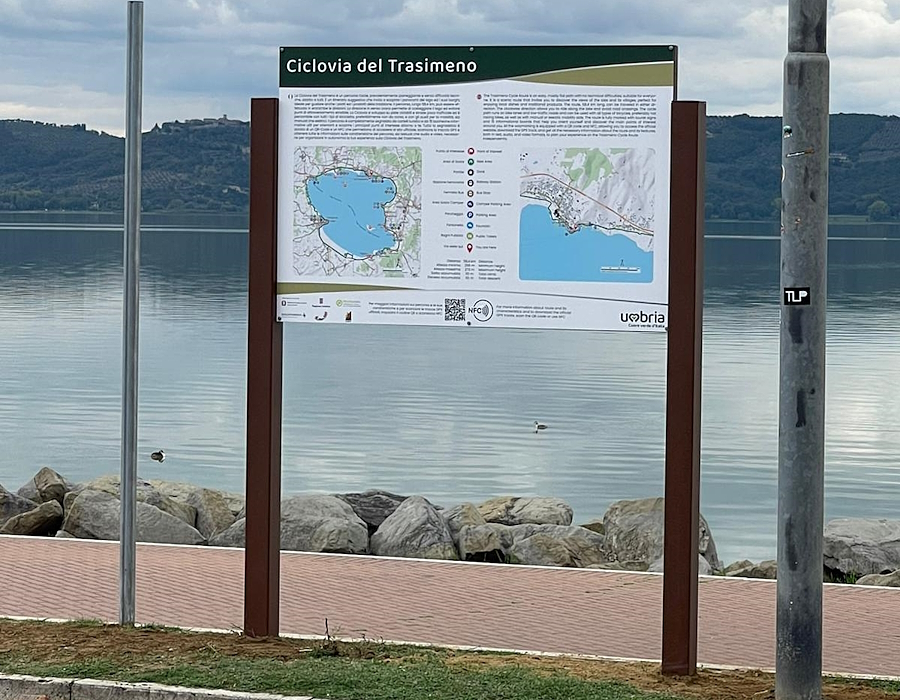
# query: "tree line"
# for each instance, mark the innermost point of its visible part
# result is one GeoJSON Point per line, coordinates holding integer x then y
{"type": "Point", "coordinates": [203, 165]}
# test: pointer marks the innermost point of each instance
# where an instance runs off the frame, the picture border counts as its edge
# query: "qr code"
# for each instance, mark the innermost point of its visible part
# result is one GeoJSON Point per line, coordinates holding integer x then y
{"type": "Point", "coordinates": [454, 309]}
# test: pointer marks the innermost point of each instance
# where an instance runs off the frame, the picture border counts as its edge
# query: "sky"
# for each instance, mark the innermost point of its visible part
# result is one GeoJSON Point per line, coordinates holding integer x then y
{"type": "Point", "coordinates": [63, 61]}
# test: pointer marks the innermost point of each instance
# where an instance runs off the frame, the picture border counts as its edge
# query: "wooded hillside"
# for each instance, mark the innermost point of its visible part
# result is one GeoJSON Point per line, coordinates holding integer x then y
{"type": "Point", "coordinates": [203, 165]}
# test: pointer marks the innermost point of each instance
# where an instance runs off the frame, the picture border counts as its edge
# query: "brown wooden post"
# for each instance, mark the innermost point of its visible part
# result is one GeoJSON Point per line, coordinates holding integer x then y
{"type": "Point", "coordinates": [264, 370]}
{"type": "Point", "coordinates": [683, 389]}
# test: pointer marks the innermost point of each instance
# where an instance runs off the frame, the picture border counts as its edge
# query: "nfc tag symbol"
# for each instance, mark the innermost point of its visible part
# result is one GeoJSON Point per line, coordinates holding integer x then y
{"type": "Point", "coordinates": [796, 296]}
{"type": "Point", "coordinates": [483, 310]}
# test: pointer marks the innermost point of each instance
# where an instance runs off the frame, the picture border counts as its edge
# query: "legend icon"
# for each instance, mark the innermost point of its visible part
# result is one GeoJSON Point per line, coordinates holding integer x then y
{"type": "Point", "coordinates": [469, 247]}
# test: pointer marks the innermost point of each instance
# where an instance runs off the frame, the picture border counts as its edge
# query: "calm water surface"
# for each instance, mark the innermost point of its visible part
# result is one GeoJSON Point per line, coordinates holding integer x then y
{"type": "Point", "coordinates": [441, 412]}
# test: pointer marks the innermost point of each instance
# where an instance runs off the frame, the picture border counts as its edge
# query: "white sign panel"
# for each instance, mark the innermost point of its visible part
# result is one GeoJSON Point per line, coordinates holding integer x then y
{"type": "Point", "coordinates": [488, 186]}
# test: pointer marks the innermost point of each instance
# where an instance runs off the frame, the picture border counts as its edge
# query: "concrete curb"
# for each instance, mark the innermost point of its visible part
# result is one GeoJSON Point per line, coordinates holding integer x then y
{"type": "Point", "coordinates": [16, 687]}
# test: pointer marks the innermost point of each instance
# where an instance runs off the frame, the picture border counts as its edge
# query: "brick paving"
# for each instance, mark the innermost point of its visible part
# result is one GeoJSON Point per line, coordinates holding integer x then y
{"type": "Point", "coordinates": [577, 611]}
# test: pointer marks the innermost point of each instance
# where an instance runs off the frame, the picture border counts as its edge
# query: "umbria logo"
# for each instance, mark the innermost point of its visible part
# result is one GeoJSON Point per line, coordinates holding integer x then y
{"type": "Point", "coordinates": [643, 319]}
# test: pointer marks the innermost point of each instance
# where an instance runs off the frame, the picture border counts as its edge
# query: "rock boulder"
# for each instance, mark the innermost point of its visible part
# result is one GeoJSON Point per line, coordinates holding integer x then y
{"type": "Point", "coordinates": [95, 515]}
{"type": "Point", "coordinates": [415, 530]}
{"type": "Point", "coordinates": [213, 513]}
{"type": "Point", "coordinates": [513, 510]}
{"type": "Point", "coordinates": [315, 523]}
{"type": "Point", "coordinates": [892, 579]}
{"type": "Point", "coordinates": [596, 525]}
{"type": "Point", "coordinates": [481, 543]}
{"type": "Point", "coordinates": [584, 547]}
{"type": "Point", "coordinates": [236, 503]}
{"type": "Point", "coordinates": [234, 536]}
{"type": "Point", "coordinates": [558, 545]}
{"type": "Point", "coordinates": [634, 534]}
{"type": "Point", "coordinates": [43, 520]}
{"type": "Point", "coordinates": [862, 546]}
{"type": "Point", "coordinates": [460, 516]}
{"type": "Point", "coordinates": [373, 506]}
{"type": "Point", "coordinates": [146, 493]}
{"type": "Point", "coordinates": [176, 490]}
{"type": "Point", "coordinates": [542, 550]}
{"type": "Point", "coordinates": [46, 485]}
{"type": "Point", "coordinates": [12, 504]}
{"type": "Point", "coordinates": [181, 491]}
{"type": "Point", "coordinates": [736, 565]}
{"type": "Point", "coordinates": [765, 569]}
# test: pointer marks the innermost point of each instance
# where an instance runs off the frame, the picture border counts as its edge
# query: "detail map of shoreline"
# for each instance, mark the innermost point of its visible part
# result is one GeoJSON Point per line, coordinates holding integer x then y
{"type": "Point", "coordinates": [587, 215]}
{"type": "Point", "coordinates": [357, 211]}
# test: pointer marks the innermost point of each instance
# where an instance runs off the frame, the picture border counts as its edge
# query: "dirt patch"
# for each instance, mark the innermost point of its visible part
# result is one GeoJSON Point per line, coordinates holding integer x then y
{"type": "Point", "coordinates": [83, 641]}
{"type": "Point", "coordinates": [74, 642]}
{"type": "Point", "coordinates": [707, 684]}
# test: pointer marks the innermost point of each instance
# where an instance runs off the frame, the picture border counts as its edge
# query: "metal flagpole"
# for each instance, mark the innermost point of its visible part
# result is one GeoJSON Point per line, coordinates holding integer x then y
{"type": "Point", "coordinates": [128, 484]}
{"type": "Point", "coordinates": [801, 435]}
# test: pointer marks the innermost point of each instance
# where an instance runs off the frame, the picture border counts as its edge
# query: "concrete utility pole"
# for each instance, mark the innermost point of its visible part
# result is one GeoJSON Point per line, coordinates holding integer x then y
{"type": "Point", "coordinates": [801, 435]}
{"type": "Point", "coordinates": [128, 481]}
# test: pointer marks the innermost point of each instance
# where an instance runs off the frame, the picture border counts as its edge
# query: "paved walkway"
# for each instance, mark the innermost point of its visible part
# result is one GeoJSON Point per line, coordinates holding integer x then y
{"type": "Point", "coordinates": [575, 611]}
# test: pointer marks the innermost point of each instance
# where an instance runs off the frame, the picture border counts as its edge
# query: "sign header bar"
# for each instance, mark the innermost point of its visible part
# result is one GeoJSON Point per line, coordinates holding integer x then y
{"type": "Point", "coordinates": [381, 66]}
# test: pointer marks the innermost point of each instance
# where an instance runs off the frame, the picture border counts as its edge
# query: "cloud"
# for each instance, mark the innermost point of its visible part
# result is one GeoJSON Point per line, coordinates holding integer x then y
{"type": "Point", "coordinates": [698, 18]}
{"type": "Point", "coordinates": [208, 57]}
{"type": "Point", "coordinates": [864, 28]}
{"type": "Point", "coordinates": [40, 104]}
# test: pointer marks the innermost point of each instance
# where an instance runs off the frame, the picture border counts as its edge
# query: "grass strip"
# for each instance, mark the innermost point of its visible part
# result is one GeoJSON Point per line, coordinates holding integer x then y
{"type": "Point", "coordinates": [351, 679]}
{"type": "Point", "coordinates": [329, 669]}
{"type": "Point", "coordinates": [366, 670]}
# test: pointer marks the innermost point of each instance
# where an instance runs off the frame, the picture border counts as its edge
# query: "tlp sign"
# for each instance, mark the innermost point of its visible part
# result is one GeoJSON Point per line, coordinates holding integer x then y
{"type": "Point", "coordinates": [796, 296]}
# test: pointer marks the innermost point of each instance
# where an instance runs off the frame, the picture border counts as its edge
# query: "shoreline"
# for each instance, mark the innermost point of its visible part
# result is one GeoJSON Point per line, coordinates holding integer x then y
{"type": "Point", "coordinates": [115, 220]}
{"type": "Point", "coordinates": [841, 227]}
{"type": "Point", "coordinates": [530, 530]}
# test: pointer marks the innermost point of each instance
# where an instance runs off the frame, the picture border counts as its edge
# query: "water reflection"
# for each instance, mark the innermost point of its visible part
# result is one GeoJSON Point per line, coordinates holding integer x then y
{"type": "Point", "coordinates": [443, 412]}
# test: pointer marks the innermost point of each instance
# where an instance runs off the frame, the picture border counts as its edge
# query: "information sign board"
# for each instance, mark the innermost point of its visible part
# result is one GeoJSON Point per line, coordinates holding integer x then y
{"type": "Point", "coordinates": [475, 186]}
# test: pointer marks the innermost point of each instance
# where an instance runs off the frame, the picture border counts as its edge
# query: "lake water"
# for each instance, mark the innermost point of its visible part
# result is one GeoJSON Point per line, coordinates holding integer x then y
{"type": "Point", "coordinates": [353, 204]}
{"type": "Point", "coordinates": [549, 251]}
{"type": "Point", "coordinates": [446, 413]}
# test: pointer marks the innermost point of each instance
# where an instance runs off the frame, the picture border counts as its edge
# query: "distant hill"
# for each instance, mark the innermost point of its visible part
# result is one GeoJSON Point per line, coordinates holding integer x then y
{"type": "Point", "coordinates": [203, 165]}
{"type": "Point", "coordinates": [743, 166]}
